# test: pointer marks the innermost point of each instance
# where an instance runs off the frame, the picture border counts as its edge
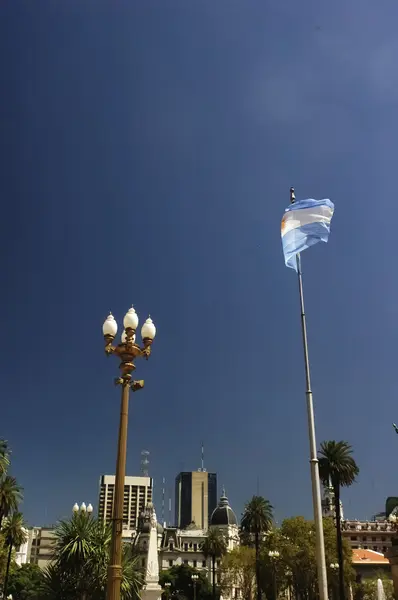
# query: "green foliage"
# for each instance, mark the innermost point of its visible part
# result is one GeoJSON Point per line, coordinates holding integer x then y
{"type": "Point", "coordinates": [258, 516]}
{"type": "Point", "coordinates": [336, 464]}
{"type": "Point", "coordinates": [368, 587]}
{"type": "Point", "coordinates": [338, 468]}
{"type": "Point", "coordinates": [180, 577]}
{"type": "Point", "coordinates": [14, 530]}
{"type": "Point", "coordinates": [25, 582]}
{"type": "Point", "coordinates": [238, 569]}
{"type": "Point", "coordinates": [214, 546]}
{"type": "Point", "coordinates": [256, 520]}
{"type": "Point", "coordinates": [295, 567]}
{"type": "Point", "coordinates": [80, 561]}
{"type": "Point", "coordinates": [10, 496]}
{"type": "Point", "coordinates": [4, 457]}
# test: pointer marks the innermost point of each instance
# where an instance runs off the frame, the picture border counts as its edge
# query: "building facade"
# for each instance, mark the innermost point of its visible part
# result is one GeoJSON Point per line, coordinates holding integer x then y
{"type": "Point", "coordinates": [368, 535]}
{"type": "Point", "coordinates": [137, 495]}
{"type": "Point", "coordinates": [40, 546]}
{"type": "Point", "coordinates": [195, 498]}
{"type": "Point", "coordinates": [184, 546]}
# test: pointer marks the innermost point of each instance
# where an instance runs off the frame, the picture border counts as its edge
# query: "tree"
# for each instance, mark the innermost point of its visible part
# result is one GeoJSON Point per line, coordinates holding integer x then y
{"type": "Point", "coordinates": [180, 578]}
{"type": "Point", "coordinates": [15, 535]}
{"type": "Point", "coordinates": [238, 569]}
{"type": "Point", "coordinates": [256, 520]}
{"type": "Point", "coordinates": [25, 582]}
{"type": "Point", "coordinates": [369, 587]}
{"type": "Point", "coordinates": [338, 469]}
{"type": "Point", "coordinates": [10, 496]}
{"type": "Point", "coordinates": [296, 566]}
{"type": "Point", "coordinates": [80, 562]}
{"type": "Point", "coordinates": [4, 457]}
{"type": "Point", "coordinates": [214, 546]}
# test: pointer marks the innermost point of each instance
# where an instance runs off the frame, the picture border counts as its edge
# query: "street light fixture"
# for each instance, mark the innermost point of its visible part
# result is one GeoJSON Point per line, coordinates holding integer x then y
{"type": "Point", "coordinates": [127, 351]}
{"type": "Point", "coordinates": [274, 556]}
{"type": "Point", "coordinates": [334, 566]}
{"type": "Point", "coordinates": [194, 578]}
{"type": "Point", "coordinates": [82, 508]}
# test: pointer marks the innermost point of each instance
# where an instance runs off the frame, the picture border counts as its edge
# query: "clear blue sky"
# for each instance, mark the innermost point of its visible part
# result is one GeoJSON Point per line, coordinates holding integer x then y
{"type": "Point", "coordinates": [147, 150]}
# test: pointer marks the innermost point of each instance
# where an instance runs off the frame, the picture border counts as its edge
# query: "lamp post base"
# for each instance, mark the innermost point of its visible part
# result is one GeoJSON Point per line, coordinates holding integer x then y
{"type": "Point", "coordinates": [114, 582]}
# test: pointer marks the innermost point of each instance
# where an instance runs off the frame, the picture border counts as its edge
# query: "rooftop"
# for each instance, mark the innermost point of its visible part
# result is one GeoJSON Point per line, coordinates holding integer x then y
{"type": "Point", "coordinates": [360, 556]}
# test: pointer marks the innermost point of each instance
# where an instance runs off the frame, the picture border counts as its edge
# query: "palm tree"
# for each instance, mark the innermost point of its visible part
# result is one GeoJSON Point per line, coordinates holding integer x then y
{"type": "Point", "coordinates": [214, 546]}
{"type": "Point", "coordinates": [81, 557]}
{"type": "Point", "coordinates": [15, 535]}
{"type": "Point", "coordinates": [256, 520]}
{"type": "Point", "coordinates": [10, 496]}
{"type": "Point", "coordinates": [338, 469]}
{"type": "Point", "coordinates": [4, 457]}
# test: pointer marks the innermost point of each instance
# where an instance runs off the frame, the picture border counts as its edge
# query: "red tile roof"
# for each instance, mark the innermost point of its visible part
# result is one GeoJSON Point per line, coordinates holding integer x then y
{"type": "Point", "coordinates": [370, 557]}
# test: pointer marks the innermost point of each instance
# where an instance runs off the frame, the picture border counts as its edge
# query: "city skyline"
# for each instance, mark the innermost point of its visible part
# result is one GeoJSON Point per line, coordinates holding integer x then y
{"type": "Point", "coordinates": [147, 156]}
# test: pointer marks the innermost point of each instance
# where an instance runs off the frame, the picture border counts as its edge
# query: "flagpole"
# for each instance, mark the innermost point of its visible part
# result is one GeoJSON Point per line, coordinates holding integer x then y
{"type": "Point", "coordinates": [316, 487]}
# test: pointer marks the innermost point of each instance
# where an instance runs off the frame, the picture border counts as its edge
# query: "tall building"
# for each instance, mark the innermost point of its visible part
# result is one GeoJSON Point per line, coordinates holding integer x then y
{"type": "Point", "coordinates": [137, 494]}
{"type": "Point", "coordinates": [195, 498]}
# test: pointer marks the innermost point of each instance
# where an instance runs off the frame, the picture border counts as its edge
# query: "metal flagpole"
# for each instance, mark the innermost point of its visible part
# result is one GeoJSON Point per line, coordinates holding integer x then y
{"type": "Point", "coordinates": [316, 488]}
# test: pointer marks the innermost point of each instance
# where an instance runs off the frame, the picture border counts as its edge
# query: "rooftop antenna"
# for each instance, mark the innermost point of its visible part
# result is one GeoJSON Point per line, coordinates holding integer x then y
{"type": "Point", "coordinates": [170, 522]}
{"type": "Point", "coordinates": [163, 493]}
{"type": "Point", "coordinates": [202, 469]}
{"type": "Point", "coordinates": [145, 463]}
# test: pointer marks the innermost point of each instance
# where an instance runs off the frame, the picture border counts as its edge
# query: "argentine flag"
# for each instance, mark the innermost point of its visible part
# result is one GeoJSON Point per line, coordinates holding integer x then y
{"type": "Point", "coordinates": [305, 223]}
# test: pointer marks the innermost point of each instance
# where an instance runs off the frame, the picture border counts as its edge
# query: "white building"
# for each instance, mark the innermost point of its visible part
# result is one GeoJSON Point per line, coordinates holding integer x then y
{"type": "Point", "coordinates": [137, 495]}
{"type": "Point", "coordinates": [368, 535]}
{"type": "Point", "coordinates": [184, 546]}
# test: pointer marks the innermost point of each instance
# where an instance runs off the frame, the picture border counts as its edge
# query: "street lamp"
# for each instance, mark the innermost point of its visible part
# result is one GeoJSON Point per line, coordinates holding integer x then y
{"type": "Point", "coordinates": [274, 556]}
{"type": "Point", "coordinates": [194, 578]}
{"type": "Point", "coordinates": [334, 567]}
{"type": "Point", "coordinates": [127, 351]}
{"type": "Point", "coordinates": [82, 508]}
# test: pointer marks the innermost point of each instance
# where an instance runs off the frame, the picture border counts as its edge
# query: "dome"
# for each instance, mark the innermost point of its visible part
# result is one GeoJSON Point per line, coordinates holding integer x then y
{"type": "Point", "coordinates": [223, 514]}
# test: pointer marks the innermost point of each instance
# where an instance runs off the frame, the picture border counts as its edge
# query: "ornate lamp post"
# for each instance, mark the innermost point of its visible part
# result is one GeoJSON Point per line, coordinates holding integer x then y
{"type": "Point", "coordinates": [274, 556]}
{"type": "Point", "coordinates": [127, 351]}
{"type": "Point", "coordinates": [194, 578]}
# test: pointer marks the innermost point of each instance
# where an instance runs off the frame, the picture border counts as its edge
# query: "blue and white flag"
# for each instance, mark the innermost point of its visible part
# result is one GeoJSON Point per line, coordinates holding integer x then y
{"type": "Point", "coordinates": [305, 223]}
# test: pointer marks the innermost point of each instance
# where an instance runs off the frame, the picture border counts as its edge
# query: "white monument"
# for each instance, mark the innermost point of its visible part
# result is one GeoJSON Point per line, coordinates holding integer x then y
{"type": "Point", "coordinates": [152, 589]}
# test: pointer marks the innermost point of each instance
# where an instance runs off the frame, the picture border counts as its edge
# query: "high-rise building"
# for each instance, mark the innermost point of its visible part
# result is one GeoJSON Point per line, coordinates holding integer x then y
{"type": "Point", "coordinates": [137, 494]}
{"type": "Point", "coordinates": [195, 498]}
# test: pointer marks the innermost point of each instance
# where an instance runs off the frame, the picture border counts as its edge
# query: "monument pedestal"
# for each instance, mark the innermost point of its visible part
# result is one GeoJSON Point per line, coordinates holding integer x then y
{"type": "Point", "coordinates": [151, 592]}
{"type": "Point", "coordinates": [392, 555]}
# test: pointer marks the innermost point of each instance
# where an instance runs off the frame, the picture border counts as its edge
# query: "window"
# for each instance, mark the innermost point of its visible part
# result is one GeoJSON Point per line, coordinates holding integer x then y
{"type": "Point", "coordinates": [373, 539]}
{"type": "Point", "coordinates": [171, 563]}
{"type": "Point", "coordinates": [364, 538]}
{"type": "Point", "coordinates": [383, 539]}
{"type": "Point", "coordinates": [353, 538]}
{"type": "Point", "coordinates": [186, 547]}
{"type": "Point", "coordinates": [218, 564]}
{"type": "Point", "coordinates": [375, 548]}
{"type": "Point", "coordinates": [365, 548]}
{"type": "Point", "coordinates": [195, 547]}
{"type": "Point", "coordinates": [186, 562]}
{"type": "Point", "coordinates": [195, 564]}
{"type": "Point", "coordinates": [171, 546]}
{"type": "Point", "coordinates": [384, 548]}
{"type": "Point", "coordinates": [203, 563]}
